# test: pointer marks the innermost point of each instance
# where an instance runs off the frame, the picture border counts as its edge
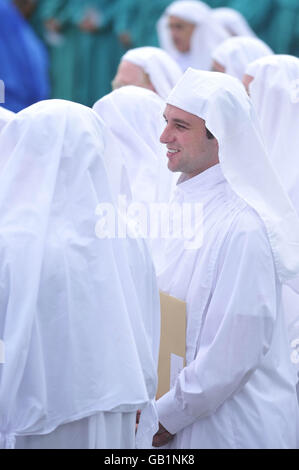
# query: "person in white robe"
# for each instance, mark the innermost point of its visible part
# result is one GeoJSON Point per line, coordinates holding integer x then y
{"type": "Point", "coordinates": [238, 388]}
{"type": "Point", "coordinates": [273, 84]}
{"type": "Point", "coordinates": [235, 54]}
{"type": "Point", "coordinates": [232, 21]}
{"type": "Point", "coordinates": [188, 32]}
{"type": "Point", "coordinates": [79, 311]}
{"type": "Point", "coordinates": [5, 117]}
{"type": "Point", "coordinates": [148, 67]}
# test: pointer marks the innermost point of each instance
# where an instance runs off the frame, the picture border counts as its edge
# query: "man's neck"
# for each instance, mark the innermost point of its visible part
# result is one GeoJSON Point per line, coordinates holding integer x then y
{"type": "Point", "coordinates": [188, 176]}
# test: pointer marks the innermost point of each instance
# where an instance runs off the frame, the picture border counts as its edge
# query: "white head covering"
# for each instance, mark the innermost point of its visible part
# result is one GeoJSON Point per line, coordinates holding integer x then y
{"type": "Point", "coordinates": [233, 22]}
{"type": "Point", "coordinates": [206, 36]}
{"type": "Point", "coordinates": [5, 117]}
{"type": "Point", "coordinates": [273, 91]}
{"type": "Point", "coordinates": [236, 53]}
{"type": "Point", "coordinates": [74, 308]}
{"type": "Point", "coordinates": [161, 68]}
{"type": "Point", "coordinates": [224, 105]}
{"type": "Point", "coordinates": [135, 117]}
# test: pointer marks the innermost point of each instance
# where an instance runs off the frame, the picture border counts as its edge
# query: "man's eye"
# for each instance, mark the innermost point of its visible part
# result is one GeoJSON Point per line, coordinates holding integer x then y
{"type": "Point", "coordinates": [179, 126]}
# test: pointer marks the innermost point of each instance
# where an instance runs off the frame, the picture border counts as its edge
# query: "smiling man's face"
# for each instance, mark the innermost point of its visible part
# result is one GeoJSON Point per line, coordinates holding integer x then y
{"type": "Point", "coordinates": [190, 151]}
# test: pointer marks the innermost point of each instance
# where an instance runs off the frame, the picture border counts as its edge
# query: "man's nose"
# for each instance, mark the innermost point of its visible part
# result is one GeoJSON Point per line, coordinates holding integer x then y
{"type": "Point", "coordinates": [165, 136]}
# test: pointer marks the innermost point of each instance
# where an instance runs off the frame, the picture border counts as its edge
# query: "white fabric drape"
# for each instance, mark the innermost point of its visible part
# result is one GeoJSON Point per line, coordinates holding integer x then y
{"type": "Point", "coordinates": [275, 96]}
{"type": "Point", "coordinates": [135, 117]}
{"type": "Point", "coordinates": [236, 53]}
{"type": "Point", "coordinates": [161, 68]}
{"type": "Point", "coordinates": [79, 315]}
{"type": "Point", "coordinates": [274, 92]}
{"type": "Point", "coordinates": [101, 431]}
{"type": "Point", "coordinates": [206, 36]}
{"type": "Point", "coordinates": [5, 117]}
{"type": "Point", "coordinates": [234, 23]}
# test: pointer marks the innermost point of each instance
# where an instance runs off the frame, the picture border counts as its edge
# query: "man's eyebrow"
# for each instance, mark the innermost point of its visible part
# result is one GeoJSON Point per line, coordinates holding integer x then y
{"type": "Point", "coordinates": [179, 121]}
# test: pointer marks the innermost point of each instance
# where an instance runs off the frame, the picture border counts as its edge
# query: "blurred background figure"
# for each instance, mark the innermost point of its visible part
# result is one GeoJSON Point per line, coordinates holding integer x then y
{"type": "Point", "coordinates": [85, 50]}
{"type": "Point", "coordinates": [274, 21]}
{"type": "Point", "coordinates": [86, 39]}
{"type": "Point", "coordinates": [26, 7]}
{"type": "Point", "coordinates": [285, 27]}
{"type": "Point", "coordinates": [232, 21]}
{"type": "Point", "coordinates": [136, 22]}
{"type": "Point", "coordinates": [273, 84]}
{"type": "Point", "coordinates": [259, 16]}
{"type": "Point", "coordinates": [148, 67]}
{"type": "Point", "coordinates": [189, 34]}
{"type": "Point", "coordinates": [234, 54]}
{"type": "Point", "coordinates": [57, 21]}
{"type": "Point", "coordinates": [98, 18]}
{"type": "Point", "coordinates": [23, 57]}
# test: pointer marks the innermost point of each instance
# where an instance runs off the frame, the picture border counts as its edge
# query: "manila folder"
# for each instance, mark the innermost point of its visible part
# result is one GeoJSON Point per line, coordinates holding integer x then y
{"type": "Point", "coordinates": [172, 356]}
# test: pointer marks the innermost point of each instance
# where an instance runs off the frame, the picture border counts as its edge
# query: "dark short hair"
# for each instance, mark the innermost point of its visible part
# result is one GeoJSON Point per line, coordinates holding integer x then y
{"type": "Point", "coordinates": [210, 136]}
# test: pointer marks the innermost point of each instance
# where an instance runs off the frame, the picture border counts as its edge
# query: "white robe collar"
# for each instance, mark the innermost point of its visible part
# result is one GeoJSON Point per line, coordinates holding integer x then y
{"type": "Point", "coordinates": [201, 183]}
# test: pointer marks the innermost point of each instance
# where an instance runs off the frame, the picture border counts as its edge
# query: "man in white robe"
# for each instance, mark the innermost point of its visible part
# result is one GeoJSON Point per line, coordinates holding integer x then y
{"type": "Point", "coordinates": [238, 387]}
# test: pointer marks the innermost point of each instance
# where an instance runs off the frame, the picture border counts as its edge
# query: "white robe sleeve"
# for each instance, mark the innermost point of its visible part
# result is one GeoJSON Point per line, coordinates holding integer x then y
{"type": "Point", "coordinates": [236, 333]}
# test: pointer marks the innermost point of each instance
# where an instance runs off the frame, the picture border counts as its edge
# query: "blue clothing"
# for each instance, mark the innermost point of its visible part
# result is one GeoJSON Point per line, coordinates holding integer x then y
{"type": "Point", "coordinates": [23, 60]}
